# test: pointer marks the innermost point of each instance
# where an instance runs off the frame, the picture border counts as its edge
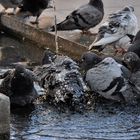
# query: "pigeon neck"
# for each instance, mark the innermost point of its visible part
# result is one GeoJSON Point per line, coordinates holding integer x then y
{"type": "Point", "coordinates": [98, 4]}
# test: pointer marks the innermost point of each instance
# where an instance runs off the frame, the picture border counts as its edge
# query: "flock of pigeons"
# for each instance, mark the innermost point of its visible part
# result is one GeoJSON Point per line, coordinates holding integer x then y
{"type": "Point", "coordinates": [113, 79]}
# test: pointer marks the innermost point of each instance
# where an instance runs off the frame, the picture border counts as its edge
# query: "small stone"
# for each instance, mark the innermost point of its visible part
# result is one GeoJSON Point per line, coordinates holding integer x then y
{"type": "Point", "coordinates": [4, 116]}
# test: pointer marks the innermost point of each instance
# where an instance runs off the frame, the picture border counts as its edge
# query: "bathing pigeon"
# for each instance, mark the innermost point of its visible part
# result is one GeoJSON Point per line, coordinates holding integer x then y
{"type": "Point", "coordinates": [135, 47]}
{"type": "Point", "coordinates": [118, 30]}
{"type": "Point", "coordinates": [109, 79]}
{"type": "Point", "coordinates": [34, 7]}
{"type": "Point", "coordinates": [10, 4]}
{"type": "Point", "coordinates": [63, 81]}
{"type": "Point", "coordinates": [84, 18]}
{"type": "Point", "coordinates": [18, 85]}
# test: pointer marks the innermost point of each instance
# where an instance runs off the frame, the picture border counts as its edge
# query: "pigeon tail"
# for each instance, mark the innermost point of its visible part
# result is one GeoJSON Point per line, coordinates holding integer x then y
{"type": "Point", "coordinates": [103, 42]}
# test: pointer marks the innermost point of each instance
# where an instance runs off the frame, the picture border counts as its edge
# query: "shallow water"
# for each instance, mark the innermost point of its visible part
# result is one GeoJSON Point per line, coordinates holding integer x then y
{"type": "Point", "coordinates": [107, 122]}
{"type": "Point", "coordinates": [44, 122]}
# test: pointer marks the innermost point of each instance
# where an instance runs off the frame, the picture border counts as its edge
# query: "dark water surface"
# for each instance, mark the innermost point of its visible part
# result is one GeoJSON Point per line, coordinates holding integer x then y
{"type": "Point", "coordinates": [44, 122]}
{"type": "Point", "coordinates": [107, 122]}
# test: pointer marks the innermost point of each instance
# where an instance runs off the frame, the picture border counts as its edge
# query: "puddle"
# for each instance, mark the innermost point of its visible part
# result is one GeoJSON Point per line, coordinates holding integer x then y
{"type": "Point", "coordinates": [46, 123]}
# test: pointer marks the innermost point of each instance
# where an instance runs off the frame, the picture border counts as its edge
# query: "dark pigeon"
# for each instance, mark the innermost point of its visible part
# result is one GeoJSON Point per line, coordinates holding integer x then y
{"type": "Point", "coordinates": [84, 18]}
{"type": "Point", "coordinates": [118, 30]}
{"type": "Point", "coordinates": [135, 47]}
{"type": "Point", "coordinates": [132, 61]}
{"type": "Point", "coordinates": [63, 81]}
{"type": "Point", "coordinates": [18, 84]}
{"type": "Point", "coordinates": [48, 57]}
{"type": "Point", "coordinates": [34, 7]}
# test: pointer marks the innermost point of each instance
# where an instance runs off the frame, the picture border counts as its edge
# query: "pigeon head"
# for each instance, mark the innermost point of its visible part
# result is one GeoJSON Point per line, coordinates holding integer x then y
{"type": "Point", "coordinates": [98, 4]}
{"type": "Point", "coordinates": [128, 8]}
{"type": "Point", "coordinates": [89, 60]}
{"type": "Point", "coordinates": [19, 70]}
{"type": "Point", "coordinates": [132, 61]}
{"type": "Point", "coordinates": [48, 57]}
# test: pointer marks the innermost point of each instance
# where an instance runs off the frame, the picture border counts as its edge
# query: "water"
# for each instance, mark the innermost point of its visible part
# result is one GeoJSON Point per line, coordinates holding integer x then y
{"type": "Point", "coordinates": [44, 122]}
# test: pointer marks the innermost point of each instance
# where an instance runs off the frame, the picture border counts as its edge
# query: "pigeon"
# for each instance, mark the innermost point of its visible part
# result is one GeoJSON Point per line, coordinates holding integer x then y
{"type": "Point", "coordinates": [118, 30]}
{"type": "Point", "coordinates": [132, 61]}
{"type": "Point", "coordinates": [84, 18]}
{"type": "Point", "coordinates": [62, 81]}
{"type": "Point", "coordinates": [10, 4]}
{"type": "Point", "coordinates": [135, 47]}
{"type": "Point", "coordinates": [18, 84]}
{"type": "Point", "coordinates": [109, 79]}
{"type": "Point", "coordinates": [34, 7]}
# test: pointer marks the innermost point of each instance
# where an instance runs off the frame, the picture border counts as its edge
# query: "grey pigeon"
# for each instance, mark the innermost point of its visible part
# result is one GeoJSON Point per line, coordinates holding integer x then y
{"type": "Point", "coordinates": [84, 18]}
{"type": "Point", "coordinates": [117, 30]}
{"type": "Point", "coordinates": [109, 79]}
{"type": "Point", "coordinates": [135, 47]}
{"type": "Point", "coordinates": [18, 84]}
{"type": "Point", "coordinates": [63, 81]}
{"type": "Point", "coordinates": [10, 4]}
